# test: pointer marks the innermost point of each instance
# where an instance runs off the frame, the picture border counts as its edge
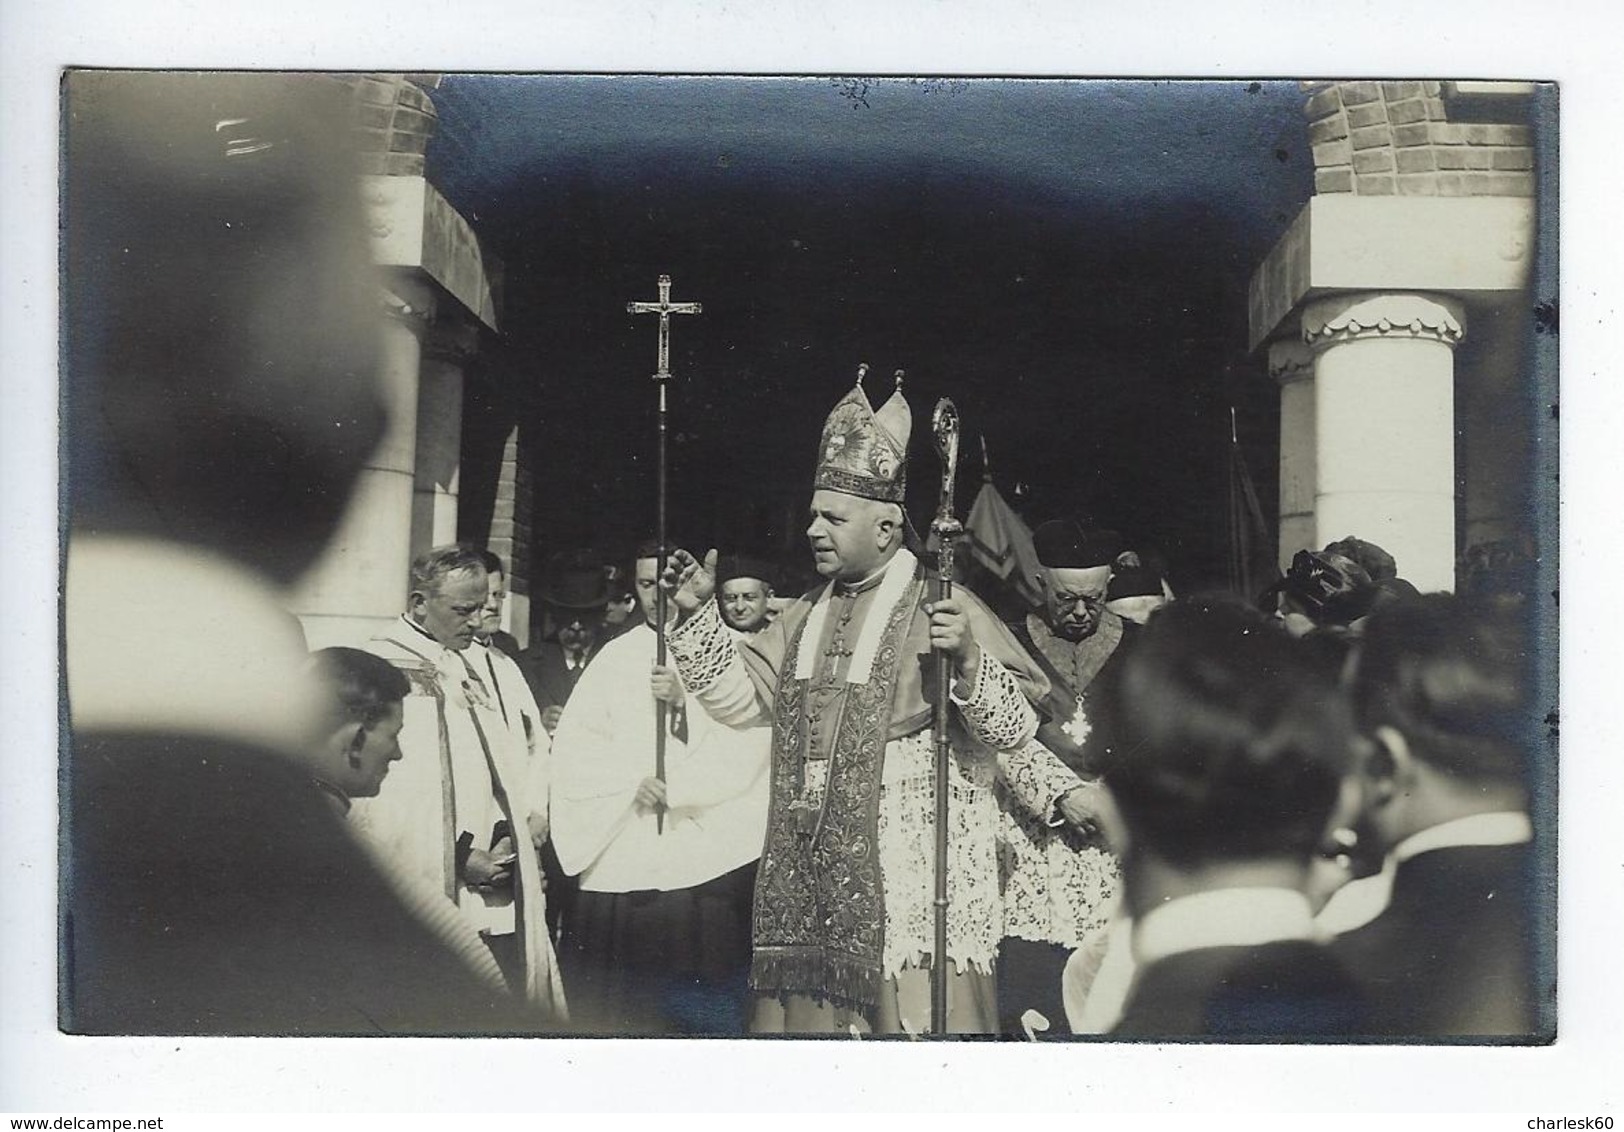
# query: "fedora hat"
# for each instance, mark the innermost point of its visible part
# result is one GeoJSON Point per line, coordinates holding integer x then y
{"type": "Point", "coordinates": [574, 580]}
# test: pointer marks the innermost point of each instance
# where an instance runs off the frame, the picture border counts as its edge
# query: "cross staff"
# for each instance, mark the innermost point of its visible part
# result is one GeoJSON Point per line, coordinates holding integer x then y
{"type": "Point", "coordinates": [665, 308]}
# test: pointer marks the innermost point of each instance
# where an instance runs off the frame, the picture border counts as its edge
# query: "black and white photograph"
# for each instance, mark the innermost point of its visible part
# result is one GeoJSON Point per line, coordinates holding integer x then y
{"type": "Point", "coordinates": [749, 562]}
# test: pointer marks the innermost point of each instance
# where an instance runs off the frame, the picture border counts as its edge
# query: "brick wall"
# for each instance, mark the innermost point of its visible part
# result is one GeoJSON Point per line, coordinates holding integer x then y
{"type": "Point", "coordinates": [395, 119]}
{"type": "Point", "coordinates": [1387, 138]}
{"type": "Point", "coordinates": [510, 516]}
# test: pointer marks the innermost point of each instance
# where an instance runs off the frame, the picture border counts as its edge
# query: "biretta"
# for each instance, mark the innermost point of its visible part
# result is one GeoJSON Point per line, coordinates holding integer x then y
{"type": "Point", "coordinates": [1061, 544]}
{"type": "Point", "coordinates": [1134, 581]}
{"type": "Point", "coordinates": [734, 566]}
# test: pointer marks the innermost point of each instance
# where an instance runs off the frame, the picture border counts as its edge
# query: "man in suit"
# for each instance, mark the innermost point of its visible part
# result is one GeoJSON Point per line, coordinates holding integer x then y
{"type": "Point", "coordinates": [1439, 691]}
{"type": "Point", "coordinates": [574, 592]}
{"type": "Point", "coordinates": [219, 319]}
{"type": "Point", "coordinates": [1225, 748]}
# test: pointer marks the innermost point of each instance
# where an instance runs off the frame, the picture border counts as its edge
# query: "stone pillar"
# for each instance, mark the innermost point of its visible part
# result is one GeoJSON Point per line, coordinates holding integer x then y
{"type": "Point", "coordinates": [439, 435]}
{"type": "Point", "coordinates": [359, 584]}
{"type": "Point", "coordinates": [1291, 363]}
{"type": "Point", "coordinates": [1384, 421]}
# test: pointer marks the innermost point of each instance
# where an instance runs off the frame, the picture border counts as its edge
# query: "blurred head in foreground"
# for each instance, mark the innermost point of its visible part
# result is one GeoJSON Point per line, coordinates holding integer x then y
{"type": "Point", "coordinates": [218, 312]}
{"type": "Point", "coordinates": [1225, 746]}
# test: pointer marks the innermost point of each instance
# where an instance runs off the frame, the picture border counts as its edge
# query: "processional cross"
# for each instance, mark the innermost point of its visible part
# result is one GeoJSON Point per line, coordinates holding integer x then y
{"type": "Point", "coordinates": [665, 308]}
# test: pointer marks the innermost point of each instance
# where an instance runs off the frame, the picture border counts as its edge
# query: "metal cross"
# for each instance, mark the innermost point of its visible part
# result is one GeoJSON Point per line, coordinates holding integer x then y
{"type": "Point", "coordinates": [665, 308]}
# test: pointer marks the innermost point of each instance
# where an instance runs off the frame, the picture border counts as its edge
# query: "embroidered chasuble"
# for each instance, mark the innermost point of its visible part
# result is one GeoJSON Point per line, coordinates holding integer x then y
{"type": "Point", "coordinates": [843, 912]}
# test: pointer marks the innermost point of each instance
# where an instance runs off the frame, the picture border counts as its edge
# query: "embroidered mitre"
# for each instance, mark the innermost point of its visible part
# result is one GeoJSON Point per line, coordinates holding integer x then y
{"type": "Point", "coordinates": [863, 452]}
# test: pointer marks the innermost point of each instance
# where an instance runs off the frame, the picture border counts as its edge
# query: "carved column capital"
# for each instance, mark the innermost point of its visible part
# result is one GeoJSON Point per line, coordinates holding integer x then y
{"type": "Point", "coordinates": [1290, 361]}
{"type": "Point", "coordinates": [1370, 315]}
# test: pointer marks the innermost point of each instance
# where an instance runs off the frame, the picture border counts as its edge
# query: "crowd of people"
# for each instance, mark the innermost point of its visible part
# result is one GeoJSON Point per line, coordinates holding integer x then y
{"type": "Point", "coordinates": [1302, 816]}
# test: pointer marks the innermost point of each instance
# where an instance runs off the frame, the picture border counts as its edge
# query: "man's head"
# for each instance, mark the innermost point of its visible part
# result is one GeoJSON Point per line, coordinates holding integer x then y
{"type": "Point", "coordinates": [1223, 742]}
{"type": "Point", "coordinates": [578, 629]}
{"type": "Point", "coordinates": [1075, 576]}
{"type": "Point", "coordinates": [574, 591]}
{"type": "Point", "coordinates": [219, 312]}
{"type": "Point", "coordinates": [1135, 593]}
{"type": "Point", "coordinates": [646, 581]}
{"type": "Point", "coordinates": [359, 734]}
{"type": "Point", "coordinates": [1334, 589]}
{"type": "Point", "coordinates": [743, 593]}
{"type": "Point", "coordinates": [852, 537]}
{"type": "Point", "coordinates": [495, 594]}
{"type": "Point", "coordinates": [1439, 687]}
{"type": "Point", "coordinates": [622, 600]}
{"type": "Point", "coordinates": [449, 594]}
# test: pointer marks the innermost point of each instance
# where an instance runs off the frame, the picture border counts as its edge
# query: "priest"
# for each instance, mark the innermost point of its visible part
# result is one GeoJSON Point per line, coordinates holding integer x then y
{"type": "Point", "coordinates": [660, 942]}
{"type": "Point", "coordinates": [843, 908]}
{"type": "Point", "coordinates": [1060, 878]}
{"type": "Point", "coordinates": [745, 596]}
{"type": "Point", "coordinates": [456, 812]}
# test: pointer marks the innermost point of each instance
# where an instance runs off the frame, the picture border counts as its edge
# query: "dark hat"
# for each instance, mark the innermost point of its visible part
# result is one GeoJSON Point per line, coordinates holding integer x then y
{"type": "Point", "coordinates": [1134, 581]}
{"type": "Point", "coordinates": [1373, 559]}
{"type": "Point", "coordinates": [1334, 589]}
{"type": "Point", "coordinates": [732, 566]}
{"type": "Point", "coordinates": [1063, 545]}
{"type": "Point", "coordinates": [574, 580]}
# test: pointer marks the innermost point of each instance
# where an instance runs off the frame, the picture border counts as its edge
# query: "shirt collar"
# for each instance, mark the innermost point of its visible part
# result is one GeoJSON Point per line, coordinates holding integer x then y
{"type": "Point", "coordinates": [340, 799]}
{"type": "Point", "coordinates": [847, 589]}
{"type": "Point", "coordinates": [1503, 827]}
{"type": "Point", "coordinates": [427, 637]}
{"type": "Point", "coordinates": [1225, 917]}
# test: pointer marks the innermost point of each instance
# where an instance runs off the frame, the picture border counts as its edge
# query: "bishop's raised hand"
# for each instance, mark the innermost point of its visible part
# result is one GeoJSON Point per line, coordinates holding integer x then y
{"type": "Point", "coordinates": [689, 582]}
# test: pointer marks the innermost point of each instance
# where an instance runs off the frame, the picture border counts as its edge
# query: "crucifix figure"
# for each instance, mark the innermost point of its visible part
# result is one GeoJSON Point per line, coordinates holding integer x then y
{"type": "Point", "coordinates": [665, 308]}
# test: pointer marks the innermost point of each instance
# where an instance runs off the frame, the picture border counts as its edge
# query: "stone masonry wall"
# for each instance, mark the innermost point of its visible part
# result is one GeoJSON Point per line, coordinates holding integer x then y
{"type": "Point", "coordinates": [395, 119]}
{"type": "Point", "coordinates": [1394, 138]}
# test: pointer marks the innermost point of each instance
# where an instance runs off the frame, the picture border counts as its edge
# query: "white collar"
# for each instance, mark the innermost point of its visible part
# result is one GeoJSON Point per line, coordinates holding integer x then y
{"type": "Point", "coordinates": [167, 638]}
{"type": "Point", "coordinates": [1502, 827]}
{"type": "Point", "coordinates": [1225, 917]}
{"type": "Point", "coordinates": [898, 573]}
{"type": "Point", "coordinates": [1360, 901]}
{"type": "Point", "coordinates": [422, 638]}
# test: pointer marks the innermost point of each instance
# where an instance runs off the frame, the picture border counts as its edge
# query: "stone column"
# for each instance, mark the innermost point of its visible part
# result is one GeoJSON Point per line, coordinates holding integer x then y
{"type": "Point", "coordinates": [1384, 421]}
{"type": "Point", "coordinates": [359, 584]}
{"type": "Point", "coordinates": [439, 435]}
{"type": "Point", "coordinates": [1291, 363]}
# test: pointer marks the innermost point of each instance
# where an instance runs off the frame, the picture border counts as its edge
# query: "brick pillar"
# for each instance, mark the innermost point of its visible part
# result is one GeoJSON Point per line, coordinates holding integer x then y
{"type": "Point", "coordinates": [1291, 363]}
{"type": "Point", "coordinates": [509, 536]}
{"type": "Point", "coordinates": [1384, 412]}
{"type": "Point", "coordinates": [359, 584]}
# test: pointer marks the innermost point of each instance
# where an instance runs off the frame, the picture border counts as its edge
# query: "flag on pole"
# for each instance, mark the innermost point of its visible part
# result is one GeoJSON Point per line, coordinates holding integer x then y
{"type": "Point", "coordinates": [1251, 548]}
{"type": "Point", "coordinates": [1001, 542]}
